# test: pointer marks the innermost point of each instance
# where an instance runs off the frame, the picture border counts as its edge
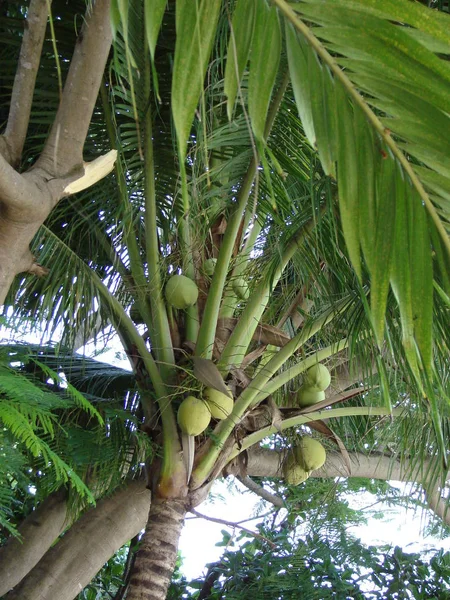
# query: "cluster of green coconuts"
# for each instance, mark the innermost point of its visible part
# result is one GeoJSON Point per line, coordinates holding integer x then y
{"type": "Point", "coordinates": [194, 414]}
{"type": "Point", "coordinates": [304, 458]}
{"type": "Point", "coordinates": [308, 454]}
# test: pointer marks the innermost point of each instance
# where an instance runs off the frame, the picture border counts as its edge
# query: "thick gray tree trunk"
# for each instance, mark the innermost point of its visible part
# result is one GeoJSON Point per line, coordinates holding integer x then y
{"type": "Point", "coordinates": [38, 532]}
{"type": "Point", "coordinates": [26, 199]}
{"type": "Point", "coordinates": [157, 555]}
{"type": "Point", "coordinates": [71, 564]}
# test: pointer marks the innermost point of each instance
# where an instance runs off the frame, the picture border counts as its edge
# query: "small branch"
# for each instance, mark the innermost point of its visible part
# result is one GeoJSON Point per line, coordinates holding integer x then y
{"type": "Point", "coordinates": [131, 558]}
{"type": "Point", "coordinates": [25, 79]}
{"type": "Point", "coordinates": [233, 525]}
{"type": "Point", "coordinates": [63, 150]}
{"type": "Point", "coordinates": [212, 576]}
{"type": "Point", "coordinates": [260, 491]}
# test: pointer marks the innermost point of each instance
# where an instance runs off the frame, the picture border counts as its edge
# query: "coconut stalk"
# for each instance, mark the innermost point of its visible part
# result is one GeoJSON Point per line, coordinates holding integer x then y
{"type": "Point", "coordinates": [205, 340]}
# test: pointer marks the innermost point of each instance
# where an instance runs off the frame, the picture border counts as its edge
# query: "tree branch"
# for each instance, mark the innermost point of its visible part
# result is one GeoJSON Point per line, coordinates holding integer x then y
{"type": "Point", "coordinates": [25, 80]}
{"type": "Point", "coordinates": [233, 525]}
{"type": "Point", "coordinates": [118, 518]}
{"type": "Point", "coordinates": [262, 462]}
{"type": "Point", "coordinates": [18, 193]}
{"type": "Point", "coordinates": [38, 531]}
{"type": "Point", "coordinates": [260, 491]}
{"type": "Point", "coordinates": [63, 150]}
{"type": "Point", "coordinates": [212, 576]}
{"type": "Point", "coordinates": [69, 566]}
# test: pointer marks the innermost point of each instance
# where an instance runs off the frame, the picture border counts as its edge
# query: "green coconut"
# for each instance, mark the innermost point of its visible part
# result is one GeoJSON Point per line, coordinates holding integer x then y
{"type": "Point", "coordinates": [240, 288]}
{"type": "Point", "coordinates": [193, 416]}
{"type": "Point", "coordinates": [293, 473]}
{"type": "Point", "coordinates": [308, 396]}
{"type": "Point", "coordinates": [219, 404]}
{"type": "Point", "coordinates": [209, 266]}
{"type": "Point", "coordinates": [310, 454]}
{"type": "Point", "coordinates": [318, 377]}
{"type": "Point", "coordinates": [181, 292]}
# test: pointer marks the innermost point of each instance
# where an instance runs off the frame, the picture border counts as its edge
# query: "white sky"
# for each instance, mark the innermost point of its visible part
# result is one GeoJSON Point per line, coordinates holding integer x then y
{"type": "Point", "coordinates": [400, 527]}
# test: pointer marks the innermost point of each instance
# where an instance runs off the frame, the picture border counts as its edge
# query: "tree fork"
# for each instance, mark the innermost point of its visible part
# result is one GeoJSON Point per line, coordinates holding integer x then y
{"type": "Point", "coordinates": [27, 199]}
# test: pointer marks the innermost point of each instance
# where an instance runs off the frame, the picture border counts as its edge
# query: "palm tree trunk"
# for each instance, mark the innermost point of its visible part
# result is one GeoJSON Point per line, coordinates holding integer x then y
{"type": "Point", "coordinates": [157, 554]}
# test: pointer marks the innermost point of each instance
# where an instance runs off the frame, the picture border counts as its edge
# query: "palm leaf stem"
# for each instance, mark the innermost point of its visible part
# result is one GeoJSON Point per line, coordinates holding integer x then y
{"type": "Point", "coordinates": [442, 294]}
{"type": "Point", "coordinates": [205, 341]}
{"type": "Point", "coordinates": [245, 400]}
{"type": "Point", "coordinates": [237, 345]}
{"type": "Point", "coordinates": [192, 318]}
{"type": "Point", "coordinates": [120, 319]}
{"type": "Point", "coordinates": [230, 298]}
{"type": "Point", "coordinates": [335, 413]}
{"type": "Point", "coordinates": [55, 49]}
{"type": "Point", "coordinates": [305, 31]}
{"type": "Point", "coordinates": [159, 326]}
{"type": "Point", "coordinates": [136, 266]}
{"type": "Point", "coordinates": [125, 328]}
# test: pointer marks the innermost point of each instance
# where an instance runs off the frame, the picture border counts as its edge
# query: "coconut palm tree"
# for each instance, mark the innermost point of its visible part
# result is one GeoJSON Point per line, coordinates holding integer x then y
{"type": "Point", "coordinates": [279, 199]}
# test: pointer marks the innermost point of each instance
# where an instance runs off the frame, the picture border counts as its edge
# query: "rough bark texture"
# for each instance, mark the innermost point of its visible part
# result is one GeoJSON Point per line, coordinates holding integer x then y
{"type": "Point", "coordinates": [70, 565]}
{"type": "Point", "coordinates": [38, 532]}
{"type": "Point", "coordinates": [157, 555]}
{"type": "Point", "coordinates": [27, 199]}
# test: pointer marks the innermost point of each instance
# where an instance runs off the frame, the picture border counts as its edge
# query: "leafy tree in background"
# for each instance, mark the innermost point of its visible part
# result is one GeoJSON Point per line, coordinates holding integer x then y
{"type": "Point", "coordinates": [308, 552]}
{"type": "Point", "coordinates": [336, 222]}
{"type": "Point", "coordinates": [53, 435]}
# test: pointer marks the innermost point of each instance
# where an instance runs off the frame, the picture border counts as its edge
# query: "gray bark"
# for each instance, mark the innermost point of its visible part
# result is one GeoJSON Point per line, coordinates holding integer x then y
{"type": "Point", "coordinates": [71, 564]}
{"type": "Point", "coordinates": [260, 491]}
{"type": "Point", "coordinates": [268, 463]}
{"type": "Point", "coordinates": [38, 532]}
{"type": "Point", "coordinates": [63, 149]}
{"type": "Point", "coordinates": [27, 199]}
{"type": "Point", "coordinates": [437, 503]}
{"type": "Point", "coordinates": [24, 81]}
